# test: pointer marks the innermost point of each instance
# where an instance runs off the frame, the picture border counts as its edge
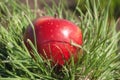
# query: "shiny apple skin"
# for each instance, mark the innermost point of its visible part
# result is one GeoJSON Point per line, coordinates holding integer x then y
{"type": "Point", "coordinates": [53, 38]}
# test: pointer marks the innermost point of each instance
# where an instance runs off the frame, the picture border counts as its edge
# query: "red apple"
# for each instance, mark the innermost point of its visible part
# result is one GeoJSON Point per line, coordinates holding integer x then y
{"type": "Point", "coordinates": [53, 39]}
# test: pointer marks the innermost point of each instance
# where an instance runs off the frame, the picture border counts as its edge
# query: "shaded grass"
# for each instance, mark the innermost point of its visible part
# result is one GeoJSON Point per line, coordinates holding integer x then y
{"type": "Point", "coordinates": [100, 60]}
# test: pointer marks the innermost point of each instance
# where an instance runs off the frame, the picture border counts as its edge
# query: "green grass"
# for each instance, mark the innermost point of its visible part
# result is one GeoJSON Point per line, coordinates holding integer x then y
{"type": "Point", "coordinates": [100, 60]}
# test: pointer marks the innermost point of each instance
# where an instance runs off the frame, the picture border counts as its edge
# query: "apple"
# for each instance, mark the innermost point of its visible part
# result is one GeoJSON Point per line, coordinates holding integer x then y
{"type": "Point", "coordinates": [53, 39]}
